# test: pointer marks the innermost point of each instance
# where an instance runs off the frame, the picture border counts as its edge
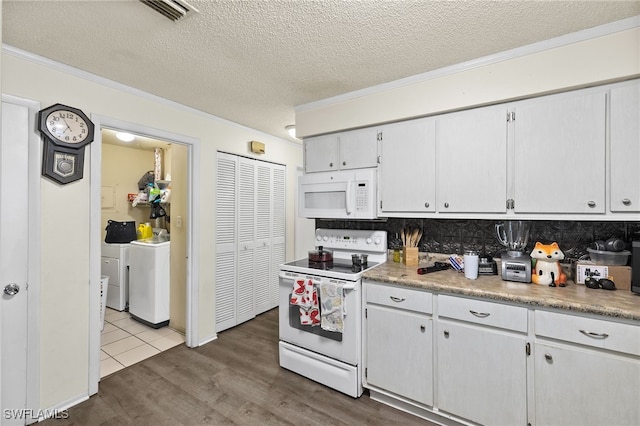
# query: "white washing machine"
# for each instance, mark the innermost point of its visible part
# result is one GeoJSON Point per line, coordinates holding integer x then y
{"type": "Point", "coordinates": [149, 279]}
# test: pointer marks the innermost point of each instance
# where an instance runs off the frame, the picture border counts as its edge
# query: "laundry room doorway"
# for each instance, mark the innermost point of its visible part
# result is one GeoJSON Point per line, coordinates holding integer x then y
{"type": "Point", "coordinates": [170, 159]}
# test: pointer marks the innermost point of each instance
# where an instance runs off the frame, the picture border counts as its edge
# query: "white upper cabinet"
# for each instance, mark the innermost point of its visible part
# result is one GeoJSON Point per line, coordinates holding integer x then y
{"type": "Point", "coordinates": [408, 167]}
{"type": "Point", "coordinates": [358, 149]}
{"type": "Point", "coordinates": [355, 149]}
{"type": "Point", "coordinates": [321, 153]}
{"type": "Point", "coordinates": [472, 161]}
{"type": "Point", "coordinates": [625, 148]}
{"type": "Point", "coordinates": [559, 154]}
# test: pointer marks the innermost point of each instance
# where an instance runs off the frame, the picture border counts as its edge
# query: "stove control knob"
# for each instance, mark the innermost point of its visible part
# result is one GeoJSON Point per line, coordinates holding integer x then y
{"type": "Point", "coordinates": [318, 238]}
{"type": "Point", "coordinates": [378, 241]}
{"type": "Point", "coordinates": [368, 240]}
{"type": "Point", "coordinates": [325, 238]}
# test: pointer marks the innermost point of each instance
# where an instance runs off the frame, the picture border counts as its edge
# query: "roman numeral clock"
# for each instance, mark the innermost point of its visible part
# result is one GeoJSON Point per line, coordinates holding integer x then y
{"type": "Point", "coordinates": [66, 131]}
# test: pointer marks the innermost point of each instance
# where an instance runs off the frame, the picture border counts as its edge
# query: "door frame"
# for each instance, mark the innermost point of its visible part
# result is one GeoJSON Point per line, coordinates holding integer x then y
{"type": "Point", "coordinates": [33, 266]}
{"type": "Point", "coordinates": [95, 223]}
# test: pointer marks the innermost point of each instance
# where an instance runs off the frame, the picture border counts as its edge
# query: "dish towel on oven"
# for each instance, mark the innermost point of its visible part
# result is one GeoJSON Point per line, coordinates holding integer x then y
{"type": "Point", "coordinates": [332, 306]}
{"type": "Point", "coordinates": [305, 295]}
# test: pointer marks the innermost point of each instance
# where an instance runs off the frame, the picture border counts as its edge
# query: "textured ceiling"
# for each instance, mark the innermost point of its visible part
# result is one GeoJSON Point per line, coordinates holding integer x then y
{"type": "Point", "coordinates": [252, 62]}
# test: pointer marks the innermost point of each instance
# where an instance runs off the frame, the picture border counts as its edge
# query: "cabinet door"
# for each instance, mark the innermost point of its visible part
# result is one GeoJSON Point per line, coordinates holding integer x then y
{"type": "Point", "coordinates": [408, 167]}
{"type": "Point", "coordinates": [399, 352]}
{"type": "Point", "coordinates": [321, 153]}
{"type": "Point", "coordinates": [472, 158]}
{"type": "Point", "coordinates": [225, 240]}
{"type": "Point", "coordinates": [576, 386]}
{"type": "Point", "coordinates": [278, 231]}
{"type": "Point", "coordinates": [559, 154]}
{"type": "Point", "coordinates": [481, 374]}
{"type": "Point", "coordinates": [247, 219]}
{"type": "Point", "coordinates": [358, 149]}
{"type": "Point", "coordinates": [625, 149]}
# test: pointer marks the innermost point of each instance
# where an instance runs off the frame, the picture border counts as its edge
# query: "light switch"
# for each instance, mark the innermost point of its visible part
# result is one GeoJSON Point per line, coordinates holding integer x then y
{"type": "Point", "coordinates": [178, 221]}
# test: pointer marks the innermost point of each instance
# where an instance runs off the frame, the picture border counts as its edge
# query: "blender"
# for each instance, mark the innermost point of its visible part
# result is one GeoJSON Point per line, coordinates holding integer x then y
{"type": "Point", "coordinates": [516, 264]}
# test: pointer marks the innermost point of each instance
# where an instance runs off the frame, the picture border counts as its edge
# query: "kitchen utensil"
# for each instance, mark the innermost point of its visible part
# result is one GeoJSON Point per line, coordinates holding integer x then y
{"type": "Point", "coordinates": [487, 266]}
{"type": "Point", "coordinates": [602, 257]}
{"type": "Point", "coordinates": [437, 266]}
{"type": "Point", "coordinates": [320, 255]}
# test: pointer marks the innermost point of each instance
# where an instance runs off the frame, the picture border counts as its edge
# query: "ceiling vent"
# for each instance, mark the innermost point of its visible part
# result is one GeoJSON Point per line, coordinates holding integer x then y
{"type": "Point", "coordinates": [172, 9]}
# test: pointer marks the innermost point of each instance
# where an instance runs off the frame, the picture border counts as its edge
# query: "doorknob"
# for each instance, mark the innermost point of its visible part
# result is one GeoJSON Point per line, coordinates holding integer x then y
{"type": "Point", "coordinates": [11, 289]}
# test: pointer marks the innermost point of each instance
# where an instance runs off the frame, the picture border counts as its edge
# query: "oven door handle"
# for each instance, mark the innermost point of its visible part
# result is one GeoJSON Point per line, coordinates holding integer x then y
{"type": "Point", "coordinates": [348, 287]}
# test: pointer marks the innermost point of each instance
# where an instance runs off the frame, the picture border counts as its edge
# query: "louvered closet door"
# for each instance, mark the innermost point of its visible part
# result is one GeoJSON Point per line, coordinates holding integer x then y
{"type": "Point", "coordinates": [246, 240]}
{"type": "Point", "coordinates": [263, 236]}
{"type": "Point", "coordinates": [278, 231]}
{"type": "Point", "coordinates": [226, 247]}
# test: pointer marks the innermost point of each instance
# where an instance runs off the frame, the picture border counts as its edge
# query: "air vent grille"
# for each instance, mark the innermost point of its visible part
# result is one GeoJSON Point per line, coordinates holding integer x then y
{"type": "Point", "coordinates": [172, 9]}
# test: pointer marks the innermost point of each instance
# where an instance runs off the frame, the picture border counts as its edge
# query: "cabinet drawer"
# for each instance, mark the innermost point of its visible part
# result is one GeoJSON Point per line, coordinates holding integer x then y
{"type": "Point", "coordinates": [399, 297]}
{"type": "Point", "coordinates": [485, 313]}
{"type": "Point", "coordinates": [588, 331]}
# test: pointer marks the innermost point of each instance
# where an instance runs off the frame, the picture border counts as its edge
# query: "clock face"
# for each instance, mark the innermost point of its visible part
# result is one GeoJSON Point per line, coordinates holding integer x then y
{"type": "Point", "coordinates": [67, 126]}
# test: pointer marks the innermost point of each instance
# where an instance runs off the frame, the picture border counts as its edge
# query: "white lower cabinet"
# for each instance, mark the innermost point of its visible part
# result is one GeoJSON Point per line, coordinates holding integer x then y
{"type": "Point", "coordinates": [399, 336]}
{"type": "Point", "coordinates": [454, 359]}
{"type": "Point", "coordinates": [587, 371]}
{"type": "Point", "coordinates": [481, 370]}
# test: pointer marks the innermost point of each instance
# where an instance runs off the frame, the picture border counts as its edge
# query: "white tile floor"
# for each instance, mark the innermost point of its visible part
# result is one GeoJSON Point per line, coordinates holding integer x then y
{"type": "Point", "coordinates": [125, 341]}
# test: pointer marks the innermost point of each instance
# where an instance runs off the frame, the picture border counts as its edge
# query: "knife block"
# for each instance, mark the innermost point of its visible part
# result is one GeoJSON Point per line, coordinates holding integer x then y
{"type": "Point", "coordinates": [410, 256]}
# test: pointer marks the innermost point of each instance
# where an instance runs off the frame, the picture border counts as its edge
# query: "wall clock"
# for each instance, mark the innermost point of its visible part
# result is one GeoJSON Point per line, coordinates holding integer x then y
{"type": "Point", "coordinates": [65, 126]}
{"type": "Point", "coordinates": [61, 164]}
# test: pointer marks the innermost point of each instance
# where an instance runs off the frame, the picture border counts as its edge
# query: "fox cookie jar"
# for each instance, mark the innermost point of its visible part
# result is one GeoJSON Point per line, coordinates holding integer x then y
{"type": "Point", "coordinates": [547, 269]}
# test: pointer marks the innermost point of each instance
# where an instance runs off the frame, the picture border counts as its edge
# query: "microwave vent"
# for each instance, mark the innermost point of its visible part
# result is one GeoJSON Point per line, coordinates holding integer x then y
{"type": "Point", "coordinates": [171, 9]}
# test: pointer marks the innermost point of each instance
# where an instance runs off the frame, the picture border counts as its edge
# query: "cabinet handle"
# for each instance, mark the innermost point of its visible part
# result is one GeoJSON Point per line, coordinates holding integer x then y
{"type": "Point", "coordinates": [479, 314]}
{"type": "Point", "coordinates": [446, 334]}
{"type": "Point", "coordinates": [426, 204]}
{"type": "Point", "coordinates": [423, 328]}
{"type": "Point", "coordinates": [397, 299]}
{"type": "Point", "coordinates": [594, 335]}
{"type": "Point", "coordinates": [344, 163]}
{"type": "Point", "coordinates": [330, 164]}
{"type": "Point", "coordinates": [591, 204]}
{"type": "Point", "coordinates": [626, 201]}
{"type": "Point", "coordinates": [548, 357]}
{"type": "Point", "coordinates": [446, 205]}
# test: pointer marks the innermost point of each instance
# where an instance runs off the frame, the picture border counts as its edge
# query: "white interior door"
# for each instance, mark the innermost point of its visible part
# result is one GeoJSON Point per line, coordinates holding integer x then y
{"type": "Point", "coordinates": [14, 231]}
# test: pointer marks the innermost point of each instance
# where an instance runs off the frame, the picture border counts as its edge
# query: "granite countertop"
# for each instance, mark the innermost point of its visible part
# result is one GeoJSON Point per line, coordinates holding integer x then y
{"type": "Point", "coordinates": [574, 297]}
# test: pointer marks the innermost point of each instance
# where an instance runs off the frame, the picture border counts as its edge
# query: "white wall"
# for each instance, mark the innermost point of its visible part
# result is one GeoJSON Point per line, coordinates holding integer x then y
{"type": "Point", "coordinates": [506, 77]}
{"type": "Point", "coordinates": [65, 209]}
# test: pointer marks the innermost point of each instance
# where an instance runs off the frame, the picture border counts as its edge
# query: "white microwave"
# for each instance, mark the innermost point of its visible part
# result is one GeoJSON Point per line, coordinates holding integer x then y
{"type": "Point", "coordinates": [348, 194]}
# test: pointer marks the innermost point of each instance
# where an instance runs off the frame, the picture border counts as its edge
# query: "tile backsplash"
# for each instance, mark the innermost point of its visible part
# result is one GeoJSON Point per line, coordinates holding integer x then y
{"type": "Point", "coordinates": [456, 236]}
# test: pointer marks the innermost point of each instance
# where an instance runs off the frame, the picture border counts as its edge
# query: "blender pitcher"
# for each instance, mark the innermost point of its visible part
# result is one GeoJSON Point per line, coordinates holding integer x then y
{"type": "Point", "coordinates": [513, 234]}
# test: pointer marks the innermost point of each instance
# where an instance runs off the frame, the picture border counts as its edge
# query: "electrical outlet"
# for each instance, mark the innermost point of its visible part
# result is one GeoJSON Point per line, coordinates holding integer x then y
{"type": "Point", "coordinates": [178, 221]}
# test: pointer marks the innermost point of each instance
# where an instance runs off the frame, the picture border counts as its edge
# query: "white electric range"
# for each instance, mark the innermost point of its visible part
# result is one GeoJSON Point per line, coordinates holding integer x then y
{"type": "Point", "coordinates": [332, 358]}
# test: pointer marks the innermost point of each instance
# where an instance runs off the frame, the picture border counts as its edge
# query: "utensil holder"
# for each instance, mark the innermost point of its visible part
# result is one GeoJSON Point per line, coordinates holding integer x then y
{"type": "Point", "coordinates": [410, 256]}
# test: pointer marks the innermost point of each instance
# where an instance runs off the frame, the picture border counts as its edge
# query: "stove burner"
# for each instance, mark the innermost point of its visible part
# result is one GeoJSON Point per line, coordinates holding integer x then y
{"type": "Point", "coordinates": [321, 265]}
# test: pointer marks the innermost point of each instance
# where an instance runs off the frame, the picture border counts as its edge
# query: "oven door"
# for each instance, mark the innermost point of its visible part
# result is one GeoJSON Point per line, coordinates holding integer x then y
{"type": "Point", "coordinates": [343, 346]}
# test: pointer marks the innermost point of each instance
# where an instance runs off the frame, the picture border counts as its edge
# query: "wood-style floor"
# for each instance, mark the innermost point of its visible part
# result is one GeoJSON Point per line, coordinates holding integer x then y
{"type": "Point", "coordinates": [235, 379]}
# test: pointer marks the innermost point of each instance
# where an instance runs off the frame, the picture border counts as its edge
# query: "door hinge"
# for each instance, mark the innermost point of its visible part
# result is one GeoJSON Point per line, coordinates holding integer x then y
{"type": "Point", "coordinates": [378, 159]}
{"type": "Point", "coordinates": [379, 136]}
{"type": "Point", "coordinates": [511, 116]}
{"type": "Point", "coordinates": [366, 371]}
{"type": "Point", "coordinates": [380, 204]}
{"type": "Point", "coordinates": [528, 348]}
{"type": "Point", "coordinates": [365, 312]}
{"type": "Point", "coordinates": [511, 204]}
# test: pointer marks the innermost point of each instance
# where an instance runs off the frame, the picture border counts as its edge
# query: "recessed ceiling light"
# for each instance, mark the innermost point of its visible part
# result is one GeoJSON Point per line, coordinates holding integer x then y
{"type": "Point", "coordinates": [125, 137]}
{"type": "Point", "coordinates": [291, 129]}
